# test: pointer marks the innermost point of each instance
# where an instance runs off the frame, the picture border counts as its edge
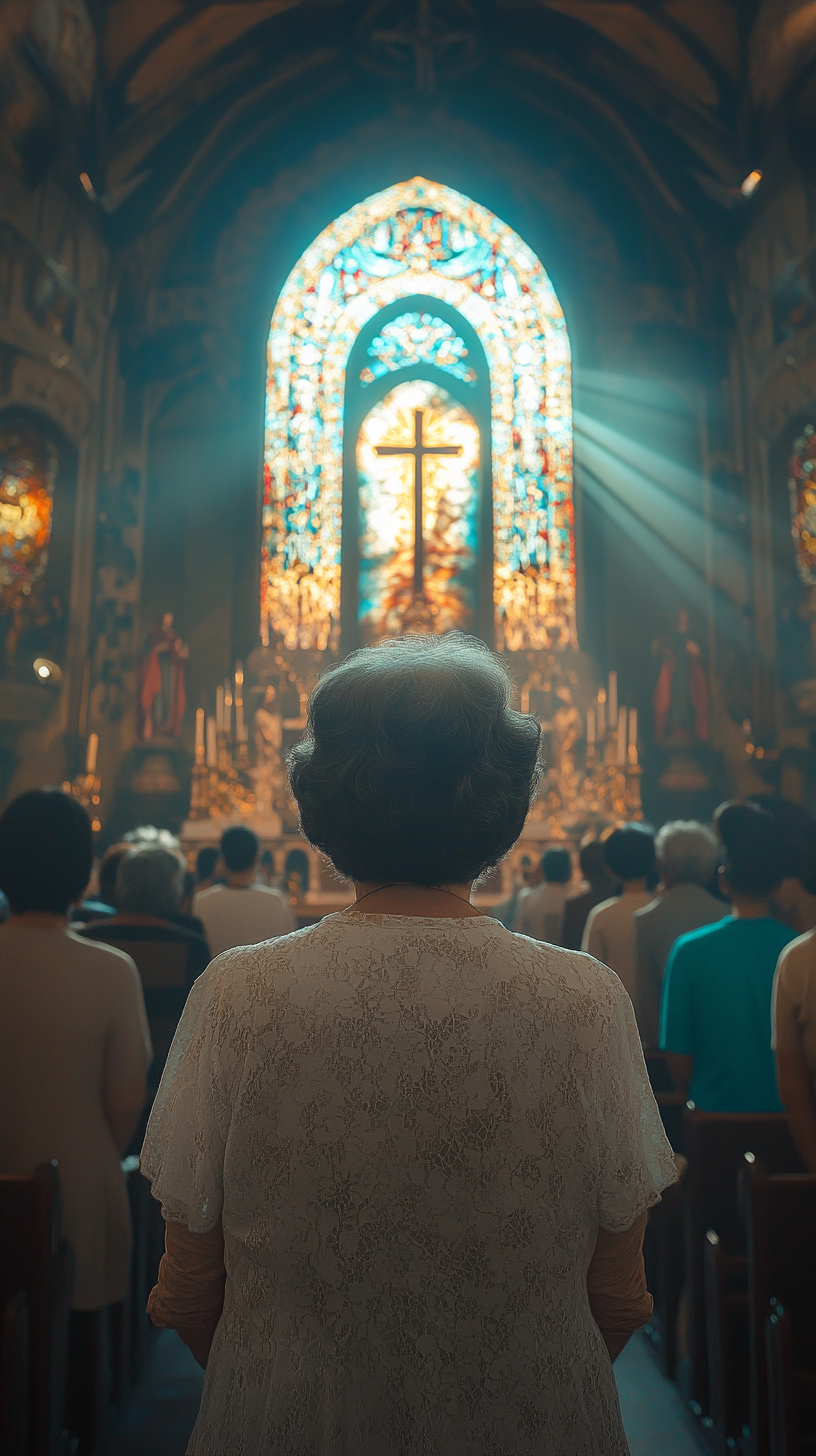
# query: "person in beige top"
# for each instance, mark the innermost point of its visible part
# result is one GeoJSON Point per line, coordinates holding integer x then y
{"type": "Point", "coordinates": [74, 1043]}
{"type": "Point", "coordinates": [793, 1016]}
{"type": "Point", "coordinates": [609, 933]}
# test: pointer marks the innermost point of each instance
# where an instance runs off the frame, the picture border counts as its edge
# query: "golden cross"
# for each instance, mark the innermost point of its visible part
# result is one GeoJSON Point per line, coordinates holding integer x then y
{"type": "Point", "coordinates": [419, 450]}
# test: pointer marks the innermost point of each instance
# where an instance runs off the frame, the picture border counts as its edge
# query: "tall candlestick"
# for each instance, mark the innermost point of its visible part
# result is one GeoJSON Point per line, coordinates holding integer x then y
{"type": "Point", "coordinates": [212, 744]}
{"type": "Point", "coordinates": [613, 699]}
{"type": "Point", "coordinates": [633, 735]}
{"type": "Point", "coordinates": [227, 710]}
{"type": "Point", "coordinates": [601, 710]}
{"type": "Point", "coordinates": [591, 728]}
{"type": "Point", "coordinates": [199, 736]}
{"type": "Point", "coordinates": [240, 731]}
{"type": "Point", "coordinates": [90, 753]}
{"type": "Point", "coordinates": [239, 680]}
{"type": "Point", "coordinates": [621, 754]}
{"type": "Point", "coordinates": [219, 708]}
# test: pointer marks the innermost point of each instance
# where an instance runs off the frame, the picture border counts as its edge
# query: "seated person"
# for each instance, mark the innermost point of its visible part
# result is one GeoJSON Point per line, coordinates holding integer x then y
{"type": "Point", "coordinates": [794, 1028]}
{"type": "Point", "coordinates": [74, 1042]}
{"type": "Point", "coordinates": [609, 933]}
{"type": "Point", "coordinates": [687, 858]}
{"type": "Point", "coordinates": [539, 911]}
{"type": "Point", "coordinates": [600, 886]}
{"type": "Point", "coordinates": [715, 1019]}
{"type": "Point", "coordinates": [170, 957]}
{"type": "Point", "coordinates": [207, 867]}
{"type": "Point", "coordinates": [242, 912]}
{"type": "Point", "coordinates": [103, 904]}
{"type": "Point", "coordinates": [184, 915]}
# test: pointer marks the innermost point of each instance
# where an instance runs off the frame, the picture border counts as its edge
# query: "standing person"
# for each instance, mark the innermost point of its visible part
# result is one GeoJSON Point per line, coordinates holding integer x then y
{"type": "Point", "coordinates": [169, 956]}
{"type": "Point", "coordinates": [687, 857]}
{"type": "Point", "coordinates": [609, 932]}
{"type": "Point", "coordinates": [601, 886]}
{"type": "Point", "coordinates": [74, 1043]}
{"type": "Point", "coordinates": [715, 1019]}
{"type": "Point", "coordinates": [794, 1027]}
{"type": "Point", "coordinates": [392, 1225]}
{"type": "Point", "coordinates": [242, 912]}
{"type": "Point", "coordinates": [539, 911]}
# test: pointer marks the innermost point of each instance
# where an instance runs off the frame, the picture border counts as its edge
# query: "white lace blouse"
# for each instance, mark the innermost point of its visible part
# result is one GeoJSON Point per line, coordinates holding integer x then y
{"type": "Point", "coordinates": [412, 1129]}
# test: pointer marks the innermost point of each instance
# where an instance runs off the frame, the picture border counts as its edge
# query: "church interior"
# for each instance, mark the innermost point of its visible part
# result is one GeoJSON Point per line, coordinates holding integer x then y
{"type": "Point", "coordinates": [324, 322]}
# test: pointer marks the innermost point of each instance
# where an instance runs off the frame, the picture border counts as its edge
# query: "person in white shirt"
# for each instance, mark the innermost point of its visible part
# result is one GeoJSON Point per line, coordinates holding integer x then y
{"type": "Point", "coordinates": [242, 912]}
{"type": "Point", "coordinates": [540, 911]}
{"type": "Point", "coordinates": [609, 934]}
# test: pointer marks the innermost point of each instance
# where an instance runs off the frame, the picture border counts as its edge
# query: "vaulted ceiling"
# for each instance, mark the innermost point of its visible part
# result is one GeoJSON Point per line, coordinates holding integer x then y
{"type": "Point", "coordinates": [675, 97]}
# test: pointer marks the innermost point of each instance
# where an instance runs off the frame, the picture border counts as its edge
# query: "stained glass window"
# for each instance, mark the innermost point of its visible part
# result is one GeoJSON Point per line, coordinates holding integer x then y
{"type": "Point", "coordinates": [417, 338]}
{"type": "Point", "coordinates": [418, 469]}
{"type": "Point", "coordinates": [802, 484]}
{"type": "Point", "coordinates": [419, 237]}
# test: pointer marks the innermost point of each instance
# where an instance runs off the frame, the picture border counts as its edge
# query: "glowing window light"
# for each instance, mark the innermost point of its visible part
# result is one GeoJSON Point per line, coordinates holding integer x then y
{"type": "Point", "coordinates": [417, 338]}
{"type": "Point", "coordinates": [802, 487]}
{"type": "Point", "coordinates": [419, 237]}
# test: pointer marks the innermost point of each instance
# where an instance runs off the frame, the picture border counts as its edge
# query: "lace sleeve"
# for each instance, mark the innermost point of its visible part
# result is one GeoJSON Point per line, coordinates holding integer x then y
{"type": "Point", "coordinates": [636, 1161]}
{"type": "Point", "coordinates": [183, 1153]}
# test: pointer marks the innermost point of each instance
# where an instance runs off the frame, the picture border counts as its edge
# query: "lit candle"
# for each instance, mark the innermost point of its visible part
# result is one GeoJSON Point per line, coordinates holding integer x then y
{"type": "Point", "coordinates": [613, 699]}
{"type": "Point", "coordinates": [621, 755]}
{"type": "Point", "coordinates": [90, 753]}
{"type": "Point", "coordinates": [601, 712]}
{"type": "Point", "coordinates": [633, 732]}
{"type": "Point", "coordinates": [212, 744]}
{"type": "Point", "coordinates": [219, 708]}
{"type": "Point", "coordinates": [227, 711]}
{"type": "Point", "coordinates": [591, 728]}
{"type": "Point", "coordinates": [199, 736]}
{"type": "Point", "coordinates": [239, 681]}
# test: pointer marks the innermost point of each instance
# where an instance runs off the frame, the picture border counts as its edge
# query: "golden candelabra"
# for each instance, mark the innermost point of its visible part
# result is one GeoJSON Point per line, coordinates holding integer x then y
{"type": "Point", "coordinates": [86, 787]}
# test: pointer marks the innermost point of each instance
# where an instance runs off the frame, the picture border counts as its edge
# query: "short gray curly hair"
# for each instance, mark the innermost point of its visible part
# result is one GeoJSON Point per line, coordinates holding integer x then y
{"type": "Point", "coordinates": [687, 851]}
{"type": "Point", "coordinates": [149, 881]}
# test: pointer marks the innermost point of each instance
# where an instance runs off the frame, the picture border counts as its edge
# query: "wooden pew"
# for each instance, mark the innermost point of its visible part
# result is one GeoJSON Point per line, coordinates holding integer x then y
{"type": "Point", "coordinates": [781, 1216]}
{"type": "Point", "coordinates": [36, 1263]}
{"type": "Point", "coordinates": [15, 1360]}
{"type": "Point", "coordinates": [663, 1244]}
{"type": "Point", "coordinates": [715, 1144]}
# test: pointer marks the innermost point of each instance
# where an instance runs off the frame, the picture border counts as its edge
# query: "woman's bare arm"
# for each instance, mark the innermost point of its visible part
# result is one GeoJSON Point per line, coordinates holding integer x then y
{"type": "Point", "coordinates": [189, 1296]}
{"type": "Point", "coordinates": [616, 1284]}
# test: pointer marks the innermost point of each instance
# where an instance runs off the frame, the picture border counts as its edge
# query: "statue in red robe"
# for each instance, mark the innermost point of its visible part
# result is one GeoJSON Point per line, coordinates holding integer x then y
{"type": "Point", "coordinates": [161, 682]}
{"type": "Point", "coordinates": [681, 699]}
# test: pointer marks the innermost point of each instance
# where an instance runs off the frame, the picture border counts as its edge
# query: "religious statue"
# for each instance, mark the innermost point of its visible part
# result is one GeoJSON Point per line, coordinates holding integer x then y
{"type": "Point", "coordinates": [161, 696]}
{"type": "Point", "coordinates": [681, 696]}
{"type": "Point", "coordinates": [269, 773]}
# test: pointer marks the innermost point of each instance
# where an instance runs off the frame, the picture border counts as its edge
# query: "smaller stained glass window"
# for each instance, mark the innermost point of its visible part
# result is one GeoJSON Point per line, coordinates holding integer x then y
{"type": "Point", "coordinates": [28, 470]}
{"type": "Point", "coordinates": [417, 338]}
{"type": "Point", "coordinates": [802, 484]}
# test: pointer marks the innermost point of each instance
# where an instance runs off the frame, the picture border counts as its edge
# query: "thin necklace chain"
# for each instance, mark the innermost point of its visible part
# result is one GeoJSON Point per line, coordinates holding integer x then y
{"type": "Point", "coordinates": [437, 890]}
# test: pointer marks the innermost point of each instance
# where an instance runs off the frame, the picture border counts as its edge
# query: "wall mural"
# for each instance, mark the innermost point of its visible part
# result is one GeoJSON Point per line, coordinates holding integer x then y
{"type": "Point", "coordinates": [419, 237]}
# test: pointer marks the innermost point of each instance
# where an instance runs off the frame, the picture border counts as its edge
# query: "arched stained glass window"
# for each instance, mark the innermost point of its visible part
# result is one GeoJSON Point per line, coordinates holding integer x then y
{"type": "Point", "coordinates": [419, 238]}
{"type": "Point", "coordinates": [802, 486]}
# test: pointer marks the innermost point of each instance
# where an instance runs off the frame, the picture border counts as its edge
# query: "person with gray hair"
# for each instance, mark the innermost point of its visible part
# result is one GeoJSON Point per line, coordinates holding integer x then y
{"type": "Point", "coordinates": [687, 857]}
{"type": "Point", "coordinates": [168, 956]}
{"type": "Point", "coordinates": [391, 1223]}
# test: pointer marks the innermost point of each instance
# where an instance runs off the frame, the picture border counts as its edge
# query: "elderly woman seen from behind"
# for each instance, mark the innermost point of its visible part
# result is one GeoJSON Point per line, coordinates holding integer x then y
{"type": "Point", "coordinates": [404, 1155]}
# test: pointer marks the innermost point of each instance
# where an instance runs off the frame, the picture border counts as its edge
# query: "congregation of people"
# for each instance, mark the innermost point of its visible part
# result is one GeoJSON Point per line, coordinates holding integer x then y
{"type": "Point", "coordinates": [142, 987]}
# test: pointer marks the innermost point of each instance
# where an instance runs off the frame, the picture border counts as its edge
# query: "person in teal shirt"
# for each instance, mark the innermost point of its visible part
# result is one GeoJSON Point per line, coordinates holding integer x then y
{"type": "Point", "coordinates": [715, 1017]}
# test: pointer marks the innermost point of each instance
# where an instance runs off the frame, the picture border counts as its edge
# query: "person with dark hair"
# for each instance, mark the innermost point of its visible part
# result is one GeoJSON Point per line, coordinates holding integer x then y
{"type": "Point", "coordinates": [715, 1018]}
{"type": "Point", "coordinates": [539, 911]}
{"type": "Point", "coordinates": [372, 1125]}
{"type": "Point", "coordinates": [242, 912]}
{"type": "Point", "coordinates": [609, 932]}
{"type": "Point", "coordinates": [792, 901]}
{"type": "Point", "coordinates": [205, 870]}
{"type": "Point", "coordinates": [794, 1023]}
{"type": "Point", "coordinates": [74, 1043]}
{"type": "Point", "coordinates": [687, 858]}
{"type": "Point", "coordinates": [601, 886]}
{"type": "Point", "coordinates": [169, 956]}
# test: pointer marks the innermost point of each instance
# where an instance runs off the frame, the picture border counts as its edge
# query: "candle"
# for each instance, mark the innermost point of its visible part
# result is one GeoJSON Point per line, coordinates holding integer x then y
{"type": "Point", "coordinates": [199, 736]}
{"type": "Point", "coordinates": [219, 708]}
{"type": "Point", "coordinates": [613, 699]}
{"type": "Point", "coordinates": [240, 730]}
{"type": "Point", "coordinates": [239, 681]}
{"type": "Point", "coordinates": [621, 754]}
{"type": "Point", "coordinates": [633, 732]}
{"type": "Point", "coordinates": [601, 712]}
{"type": "Point", "coordinates": [227, 711]}
{"type": "Point", "coordinates": [212, 744]}
{"type": "Point", "coordinates": [591, 728]}
{"type": "Point", "coordinates": [90, 754]}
